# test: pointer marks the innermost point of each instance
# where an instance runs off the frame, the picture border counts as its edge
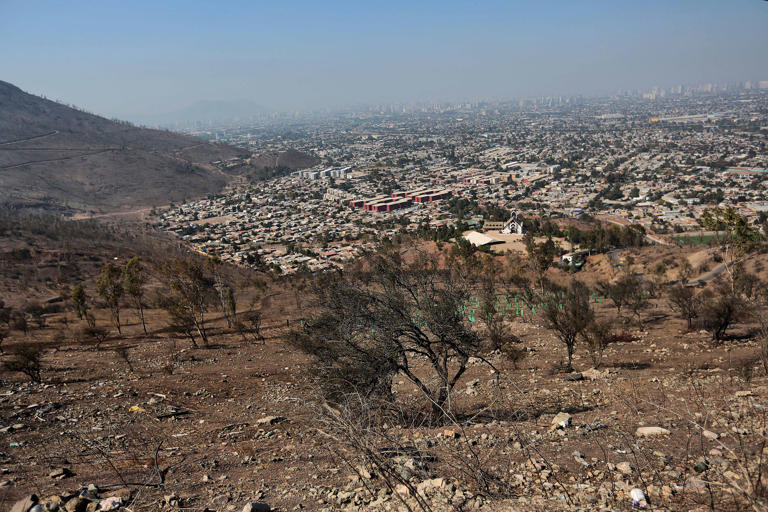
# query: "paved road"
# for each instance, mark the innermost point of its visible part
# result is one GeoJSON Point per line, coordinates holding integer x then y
{"type": "Point", "coordinates": [711, 275]}
{"type": "Point", "coordinates": [708, 276]}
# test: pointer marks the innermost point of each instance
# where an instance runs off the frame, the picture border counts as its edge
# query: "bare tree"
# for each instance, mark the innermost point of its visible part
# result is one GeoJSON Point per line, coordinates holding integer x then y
{"type": "Point", "coordinates": [540, 257]}
{"type": "Point", "coordinates": [491, 313]}
{"type": "Point", "coordinates": [27, 359]}
{"type": "Point", "coordinates": [683, 299]}
{"type": "Point", "coordinates": [391, 312]}
{"type": "Point", "coordinates": [4, 331]}
{"type": "Point", "coordinates": [182, 319]}
{"type": "Point", "coordinates": [249, 322]}
{"type": "Point", "coordinates": [622, 292]}
{"type": "Point", "coordinates": [79, 301]}
{"type": "Point", "coordinates": [571, 317]}
{"type": "Point", "coordinates": [719, 309]}
{"type": "Point", "coordinates": [597, 337]}
{"type": "Point", "coordinates": [191, 291]}
{"type": "Point", "coordinates": [223, 290]}
{"type": "Point", "coordinates": [110, 289]}
{"type": "Point", "coordinates": [135, 278]}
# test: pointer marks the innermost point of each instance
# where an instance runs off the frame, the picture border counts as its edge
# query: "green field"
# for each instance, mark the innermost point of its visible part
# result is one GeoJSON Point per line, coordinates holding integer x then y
{"type": "Point", "coordinates": [694, 239]}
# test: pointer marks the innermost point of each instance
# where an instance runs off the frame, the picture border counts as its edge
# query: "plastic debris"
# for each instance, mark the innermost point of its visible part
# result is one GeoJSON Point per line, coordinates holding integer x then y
{"type": "Point", "coordinates": [638, 498]}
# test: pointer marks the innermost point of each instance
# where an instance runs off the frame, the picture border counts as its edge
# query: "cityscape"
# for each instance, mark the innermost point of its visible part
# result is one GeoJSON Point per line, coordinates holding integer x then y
{"type": "Point", "coordinates": [654, 159]}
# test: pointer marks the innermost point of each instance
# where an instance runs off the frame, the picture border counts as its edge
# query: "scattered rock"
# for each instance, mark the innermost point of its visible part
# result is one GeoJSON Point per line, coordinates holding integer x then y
{"type": "Point", "coordinates": [594, 374]}
{"type": "Point", "coordinates": [76, 504]}
{"type": "Point", "coordinates": [710, 435]}
{"type": "Point", "coordinates": [574, 377]}
{"type": "Point", "coordinates": [701, 466]}
{"type": "Point", "coordinates": [695, 484]}
{"type": "Point", "coordinates": [220, 500]}
{"type": "Point", "coordinates": [561, 420]}
{"type": "Point", "coordinates": [402, 490]}
{"type": "Point", "coordinates": [112, 503]}
{"type": "Point", "coordinates": [256, 506]}
{"type": "Point", "coordinates": [434, 483]}
{"type": "Point", "coordinates": [60, 474]}
{"type": "Point", "coordinates": [742, 394]}
{"type": "Point", "coordinates": [579, 458]}
{"type": "Point", "coordinates": [53, 503]}
{"type": "Point", "coordinates": [651, 431]}
{"type": "Point", "coordinates": [270, 420]}
{"type": "Point", "coordinates": [624, 468]}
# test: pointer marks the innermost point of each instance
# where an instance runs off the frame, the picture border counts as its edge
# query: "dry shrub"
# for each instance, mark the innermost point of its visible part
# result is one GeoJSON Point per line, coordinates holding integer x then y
{"type": "Point", "coordinates": [27, 359]}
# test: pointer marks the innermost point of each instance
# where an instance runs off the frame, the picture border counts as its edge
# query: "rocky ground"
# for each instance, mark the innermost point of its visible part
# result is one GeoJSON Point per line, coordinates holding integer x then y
{"type": "Point", "coordinates": [180, 428]}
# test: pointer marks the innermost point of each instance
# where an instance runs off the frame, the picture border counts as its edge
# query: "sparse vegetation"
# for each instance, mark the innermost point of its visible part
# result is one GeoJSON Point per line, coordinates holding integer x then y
{"type": "Point", "coordinates": [569, 316]}
{"type": "Point", "coordinates": [375, 321]}
{"type": "Point", "coordinates": [26, 358]}
{"type": "Point", "coordinates": [110, 289]}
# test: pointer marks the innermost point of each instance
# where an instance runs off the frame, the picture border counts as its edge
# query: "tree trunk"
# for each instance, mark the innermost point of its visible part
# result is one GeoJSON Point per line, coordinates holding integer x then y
{"type": "Point", "coordinates": [201, 329]}
{"type": "Point", "coordinates": [141, 316]}
{"type": "Point", "coordinates": [116, 318]}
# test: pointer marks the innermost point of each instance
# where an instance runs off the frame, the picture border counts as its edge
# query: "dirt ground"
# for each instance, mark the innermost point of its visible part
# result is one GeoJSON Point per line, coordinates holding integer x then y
{"type": "Point", "coordinates": [239, 422]}
{"type": "Point", "coordinates": [168, 426]}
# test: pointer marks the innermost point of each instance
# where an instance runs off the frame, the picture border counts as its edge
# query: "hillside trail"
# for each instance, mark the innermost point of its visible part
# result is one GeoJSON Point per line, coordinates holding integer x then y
{"type": "Point", "coordinates": [35, 137]}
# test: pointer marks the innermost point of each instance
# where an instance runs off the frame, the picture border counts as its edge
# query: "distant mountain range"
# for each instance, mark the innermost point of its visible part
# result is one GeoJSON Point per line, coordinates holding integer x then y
{"type": "Point", "coordinates": [225, 111]}
{"type": "Point", "coordinates": [56, 157]}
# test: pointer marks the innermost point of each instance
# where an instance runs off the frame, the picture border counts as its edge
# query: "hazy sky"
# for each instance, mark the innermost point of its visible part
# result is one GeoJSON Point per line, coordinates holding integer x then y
{"type": "Point", "coordinates": [135, 57]}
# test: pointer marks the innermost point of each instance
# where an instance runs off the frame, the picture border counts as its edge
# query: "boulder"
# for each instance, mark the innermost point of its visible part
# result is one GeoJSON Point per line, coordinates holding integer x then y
{"type": "Point", "coordinates": [111, 503]}
{"type": "Point", "coordinates": [561, 420]}
{"type": "Point", "coordinates": [25, 503]}
{"type": "Point", "coordinates": [76, 504]}
{"type": "Point", "coordinates": [60, 473]}
{"type": "Point", "coordinates": [651, 432]}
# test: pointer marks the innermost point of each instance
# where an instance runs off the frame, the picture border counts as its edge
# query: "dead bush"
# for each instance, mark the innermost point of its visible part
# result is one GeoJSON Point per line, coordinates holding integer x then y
{"type": "Point", "coordinates": [91, 334]}
{"type": "Point", "coordinates": [27, 359]}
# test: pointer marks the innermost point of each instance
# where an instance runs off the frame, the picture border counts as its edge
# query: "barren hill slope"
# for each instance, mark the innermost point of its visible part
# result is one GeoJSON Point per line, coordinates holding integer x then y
{"type": "Point", "coordinates": [52, 155]}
